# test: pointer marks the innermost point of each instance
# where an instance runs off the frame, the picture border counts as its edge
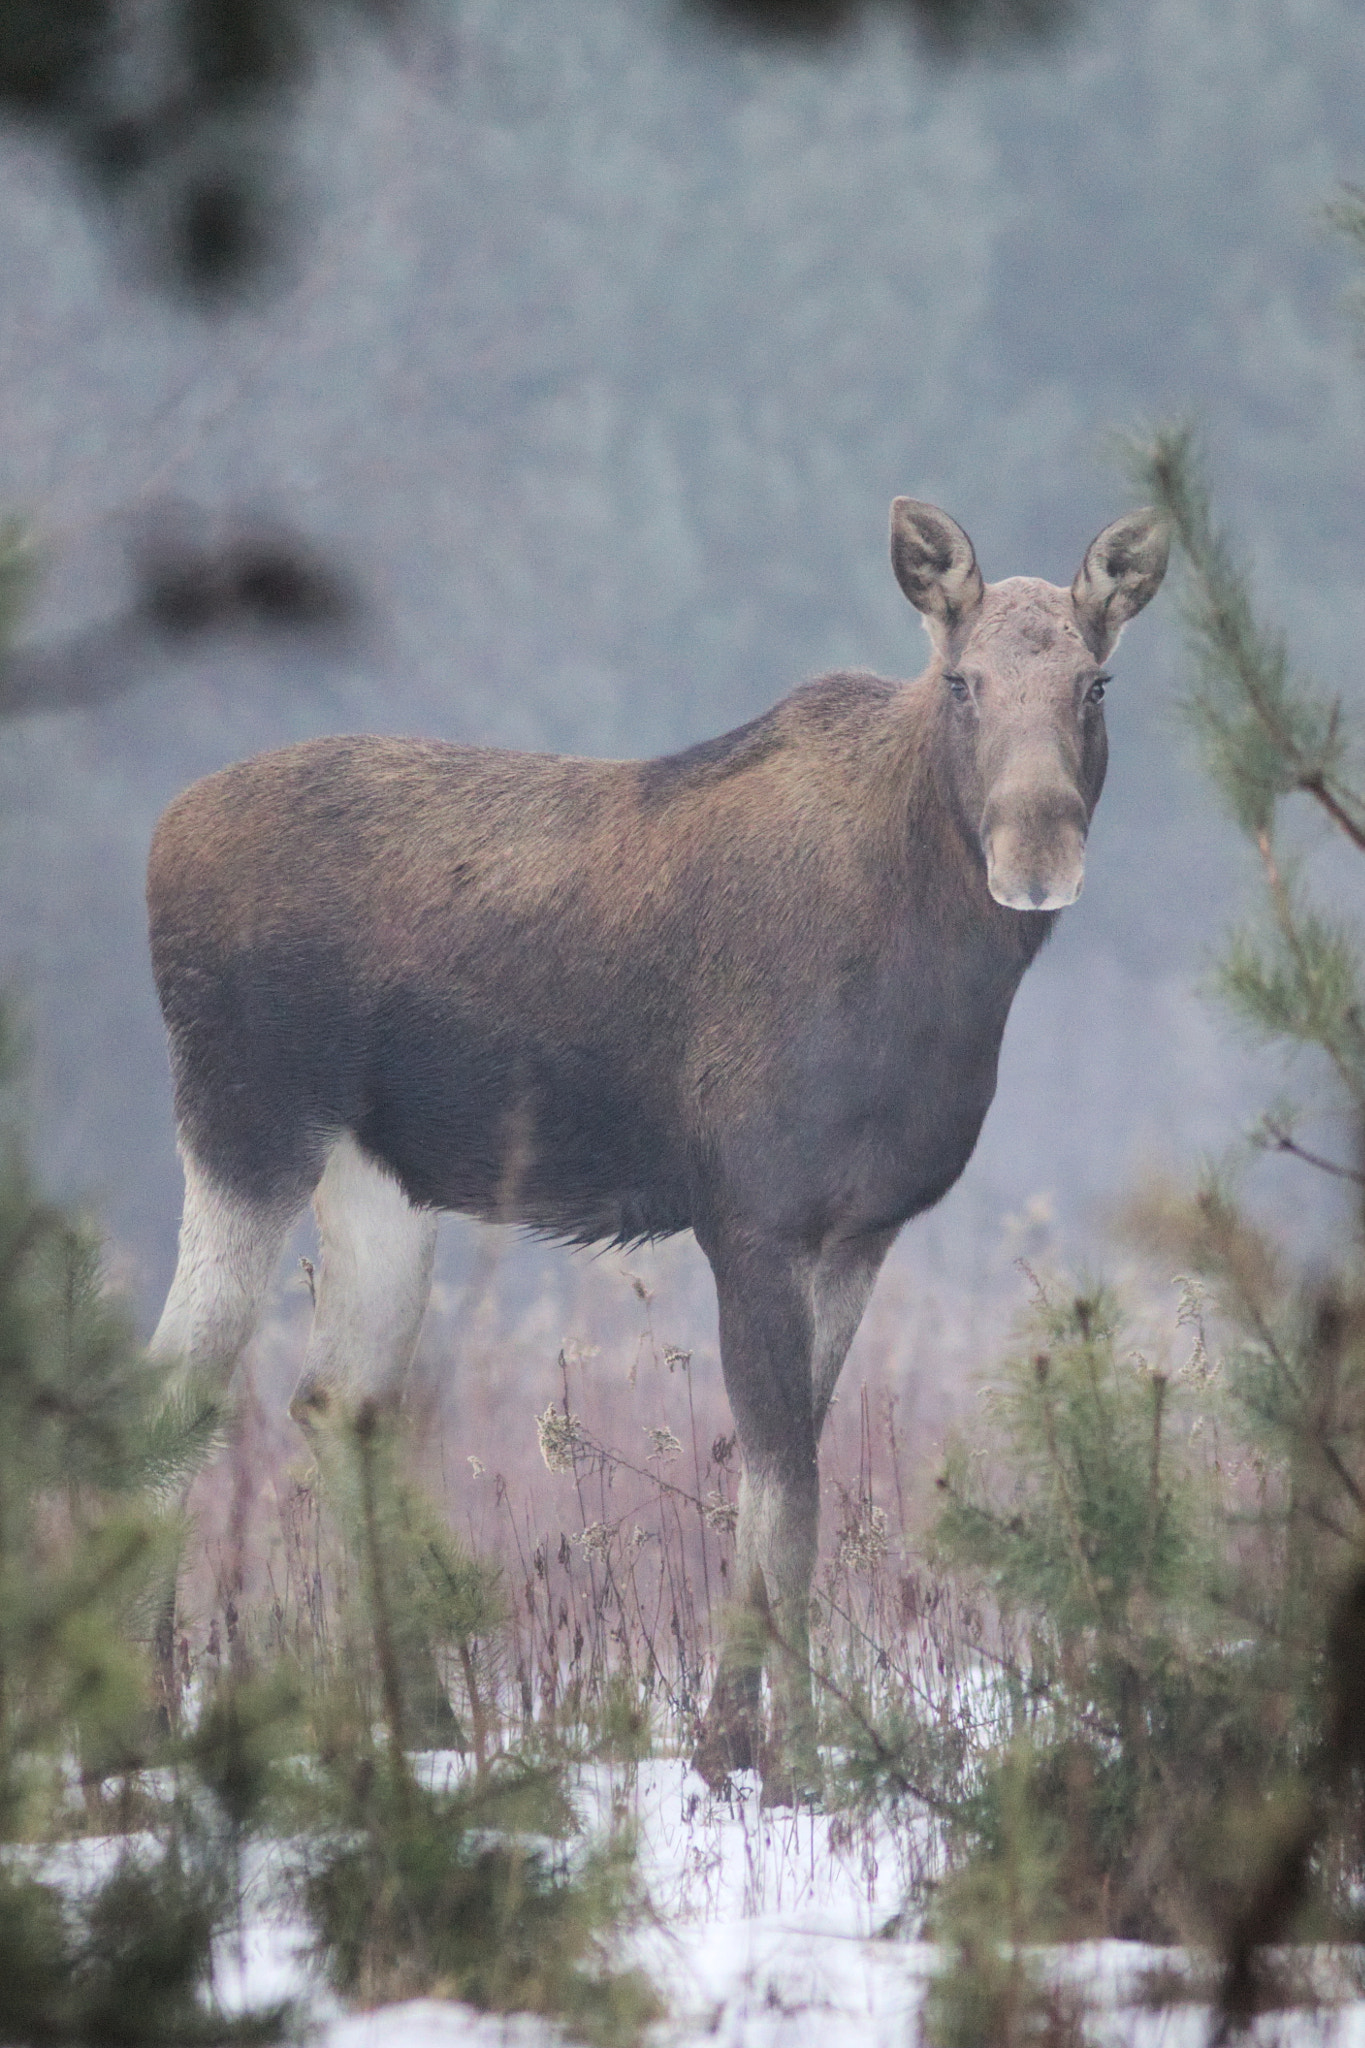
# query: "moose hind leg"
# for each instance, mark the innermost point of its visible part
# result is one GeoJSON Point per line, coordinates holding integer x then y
{"type": "Point", "coordinates": [373, 1284]}
{"type": "Point", "coordinates": [230, 1244]}
{"type": "Point", "coordinates": [229, 1247]}
{"type": "Point", "coordinates": [372, 1288]}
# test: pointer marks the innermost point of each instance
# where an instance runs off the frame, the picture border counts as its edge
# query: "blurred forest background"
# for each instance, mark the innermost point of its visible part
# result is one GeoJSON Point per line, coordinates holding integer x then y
{"type": "Point", "coordinates": [602, 345]}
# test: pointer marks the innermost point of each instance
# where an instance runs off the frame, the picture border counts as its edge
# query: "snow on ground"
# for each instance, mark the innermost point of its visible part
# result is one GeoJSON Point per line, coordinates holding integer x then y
{"type": "Point", "coordinates": [767, 1933]}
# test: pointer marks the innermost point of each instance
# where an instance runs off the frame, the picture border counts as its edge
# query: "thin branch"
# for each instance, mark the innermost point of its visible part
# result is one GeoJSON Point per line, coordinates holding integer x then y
{"type": "Point", "coordinates": [1274, 1137]}
{"type": "Point", "coordinates": [1315, 785]}
{"type": "Point", "coordinates": [1332, 1458]}
{"type": "Point", "coordinates": [1069, 1515]}
{"type": "Point", "coordinates": [882, 1751]}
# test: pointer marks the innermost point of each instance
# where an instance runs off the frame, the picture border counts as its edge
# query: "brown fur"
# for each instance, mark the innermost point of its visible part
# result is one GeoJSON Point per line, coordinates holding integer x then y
{"type": "Point", "coordinates": [756, 989]}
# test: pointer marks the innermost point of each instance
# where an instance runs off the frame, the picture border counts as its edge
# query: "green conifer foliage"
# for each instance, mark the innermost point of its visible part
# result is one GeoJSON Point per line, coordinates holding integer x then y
{"type": "Point", "coordinates": [1132, 1706]}
{"type": "Point", "coordinates": [91, 1455]}
{"type": "Point", "coordinates": [460, 1885]}
{"type": "Point", "coordinates": [88, 1451]}
{"type": "Point", "coordinates": [990, 1991]}
{"type": "Point", "coordinates": [1173, 1550]}
{"type": "Point", "coordinates": [1268, 734]}
{"type": "Point", "coordinates": [126, 1964]}
{"type": "Point", "coordinates": [1296, 1338]}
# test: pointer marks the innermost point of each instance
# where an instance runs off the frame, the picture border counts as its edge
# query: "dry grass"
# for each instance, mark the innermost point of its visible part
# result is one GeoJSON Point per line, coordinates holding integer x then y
{"type": "Point", "coordinates": [615, 1564]}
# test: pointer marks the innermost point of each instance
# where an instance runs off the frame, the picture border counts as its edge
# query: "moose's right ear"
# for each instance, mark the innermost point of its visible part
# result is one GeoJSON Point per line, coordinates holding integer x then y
{"type": "Point", "coordinates": [935, 565]}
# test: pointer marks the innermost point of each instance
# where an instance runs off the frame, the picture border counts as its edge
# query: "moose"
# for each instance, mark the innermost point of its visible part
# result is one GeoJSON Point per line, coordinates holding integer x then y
{"type": "Point", "coordinates": [755, 990]}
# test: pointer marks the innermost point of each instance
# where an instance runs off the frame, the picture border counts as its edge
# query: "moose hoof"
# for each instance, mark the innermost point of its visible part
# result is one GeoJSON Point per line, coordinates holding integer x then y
{"type": "Point", "coordinates": [724, 1747]}
{"type": "Point", "coordinates": [790, 1780]}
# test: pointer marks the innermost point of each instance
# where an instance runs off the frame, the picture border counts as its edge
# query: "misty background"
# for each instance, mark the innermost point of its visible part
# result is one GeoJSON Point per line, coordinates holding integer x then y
{"type": "Point", "coordinates": [604, 347]}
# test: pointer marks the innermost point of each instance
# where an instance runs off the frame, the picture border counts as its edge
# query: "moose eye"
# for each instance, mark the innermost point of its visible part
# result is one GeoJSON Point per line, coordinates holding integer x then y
{"type": "Point", "coordinates": [1095, 694]}
{"type": "Point", "coordinates": [958, 686]}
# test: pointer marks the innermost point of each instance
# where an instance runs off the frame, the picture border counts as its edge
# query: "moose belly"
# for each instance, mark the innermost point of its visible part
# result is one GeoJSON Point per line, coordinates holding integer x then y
{"type": "Point", "coordinates": [516, 1126]}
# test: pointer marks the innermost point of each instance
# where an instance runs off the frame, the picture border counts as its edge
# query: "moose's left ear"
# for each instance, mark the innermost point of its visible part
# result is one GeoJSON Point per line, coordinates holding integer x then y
{"type": "Point", "coordinates": [1122, 572]}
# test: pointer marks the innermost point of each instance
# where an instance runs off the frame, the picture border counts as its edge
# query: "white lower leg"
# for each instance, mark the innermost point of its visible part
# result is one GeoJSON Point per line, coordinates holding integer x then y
{"type": "Point", "coordinates": [776, 1543]}
{"type": "Point", "coordinates": [228, 1252]}
{"type": "Point", "coordinates": [374, 1281]}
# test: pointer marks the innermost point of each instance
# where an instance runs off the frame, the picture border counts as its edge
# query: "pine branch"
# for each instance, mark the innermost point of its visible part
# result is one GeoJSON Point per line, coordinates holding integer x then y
{"type": "Point", "coordinates": [1265, 733]}
{"type": "Point", "coordinates": [1321, 1001]}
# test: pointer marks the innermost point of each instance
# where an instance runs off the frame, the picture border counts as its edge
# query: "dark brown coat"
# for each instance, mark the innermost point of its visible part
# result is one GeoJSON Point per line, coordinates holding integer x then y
{"type": "Point", "coordinates": [606, 999]}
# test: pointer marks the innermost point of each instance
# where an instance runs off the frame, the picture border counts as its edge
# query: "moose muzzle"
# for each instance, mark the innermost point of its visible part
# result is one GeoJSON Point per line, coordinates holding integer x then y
{"type": "Point", "coordinates": [1034, 843]}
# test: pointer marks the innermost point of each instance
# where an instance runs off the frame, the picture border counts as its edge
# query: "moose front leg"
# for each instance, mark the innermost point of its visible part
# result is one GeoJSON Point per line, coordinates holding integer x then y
{"type": "Point", "coordinates": [767, 1331]}
{"type": "Point", "coordinates": [786, 1321]}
